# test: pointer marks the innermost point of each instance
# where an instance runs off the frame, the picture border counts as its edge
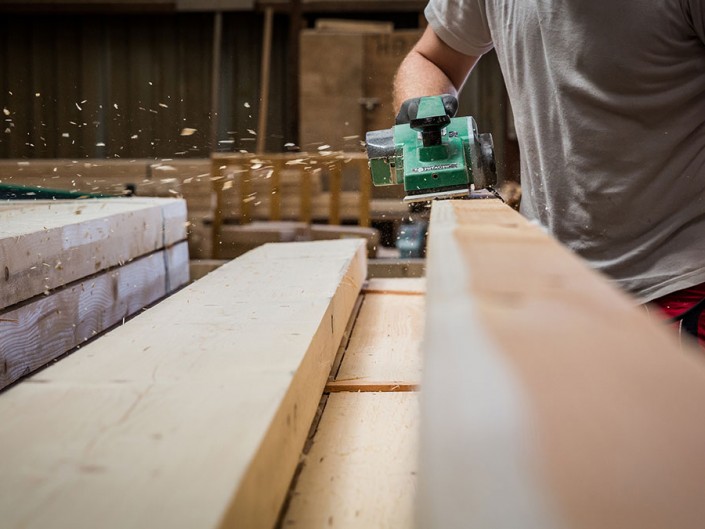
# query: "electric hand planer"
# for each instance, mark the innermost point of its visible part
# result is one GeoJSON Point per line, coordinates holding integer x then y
{"type": "Point", "coordinates": [435, 155]}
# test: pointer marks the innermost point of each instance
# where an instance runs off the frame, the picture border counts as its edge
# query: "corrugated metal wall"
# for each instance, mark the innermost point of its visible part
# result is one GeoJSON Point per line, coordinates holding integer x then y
{"type": "Point", "coordinates": [126, 85]}
{"type": "Point", "coordinates": [75, 86]}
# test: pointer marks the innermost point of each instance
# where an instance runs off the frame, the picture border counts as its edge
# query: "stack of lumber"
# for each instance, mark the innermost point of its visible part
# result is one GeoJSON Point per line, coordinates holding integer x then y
{"type": "Point", "coordinates": [194, 180]}
{"type": "Point", "coordinates": [235, 240]}
{"type": "Point", "coordinates": [71, 269]}
{"type": "Point", "coordinates": [192, 414]}
{"type": "Point", "coordinates": [168, 178]}
{"type": "Point", "coordinates": [189, 179]}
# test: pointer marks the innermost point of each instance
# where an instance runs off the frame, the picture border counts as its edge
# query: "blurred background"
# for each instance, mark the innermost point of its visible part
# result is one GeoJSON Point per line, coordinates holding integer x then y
{"type": "Point", "coordinates": [255, 112]}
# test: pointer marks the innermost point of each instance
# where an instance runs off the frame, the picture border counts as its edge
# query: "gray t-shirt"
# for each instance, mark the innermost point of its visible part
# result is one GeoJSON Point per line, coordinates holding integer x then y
{"type": "Point", "coordinates": [609, 106]}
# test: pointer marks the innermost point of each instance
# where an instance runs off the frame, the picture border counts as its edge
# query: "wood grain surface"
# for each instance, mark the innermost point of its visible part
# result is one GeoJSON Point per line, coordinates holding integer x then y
{"type": "Point", "coordinates": [361, 470]}
{"type": "Point", "coordinates": [47, 244]}
{"type": "Point", "coordinates": [549, 398]}
{"type": "Point", "coordinates": [385, 345]}
{"type": "Point", "coordinates": [192, 414]}
{"type": "Point", "coordinates": [37, 332]}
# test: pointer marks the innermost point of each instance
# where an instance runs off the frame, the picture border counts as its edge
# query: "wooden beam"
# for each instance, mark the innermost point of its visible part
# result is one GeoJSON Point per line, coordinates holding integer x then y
{"type": "Point", "coordinates": [265, 74]}
{"type": "Point", "coordinates": [305, 207]}
{"type": "Point", "coordinates": [384, 349]}
{"type": "Point", "coordinates": [217, 47]}
{"type": "Point", "coordinates": [336, 187]}
{"type": "Point", "coordinates": [549, 399]}
{"type": "Point", "coordinates": [37, 332]}
{"type": "Point", "coordinates": [361, 470]}
{"type": "Point", "coordinates": [370, 386]}
{"type": "Point", "coordinates": [194, 413]}
{"type": "Point", "coordinates": [47, 244]}
{"type": "Point", "coordinates": [365, 194]}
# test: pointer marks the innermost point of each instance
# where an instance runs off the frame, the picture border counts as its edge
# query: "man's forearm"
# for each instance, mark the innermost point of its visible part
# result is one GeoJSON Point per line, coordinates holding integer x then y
{"type": "Point", "coordinates": [417, 76]}
{"type": "Point", "coordinates": [431, 68]}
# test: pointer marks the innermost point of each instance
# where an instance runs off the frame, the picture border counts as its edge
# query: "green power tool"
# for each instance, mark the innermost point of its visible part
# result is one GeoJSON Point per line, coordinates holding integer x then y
{"type": "Point", "coordinates": [434, 156]}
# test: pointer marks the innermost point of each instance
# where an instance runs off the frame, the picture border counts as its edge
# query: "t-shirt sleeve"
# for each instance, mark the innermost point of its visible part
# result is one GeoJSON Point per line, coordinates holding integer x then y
{"type": "Point", "coordinates": [695, 13]}
{"type": "Point", "coordinates": [462, 24]}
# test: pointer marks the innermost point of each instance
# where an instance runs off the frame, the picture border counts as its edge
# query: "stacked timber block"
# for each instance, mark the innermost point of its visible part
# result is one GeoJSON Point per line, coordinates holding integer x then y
{"type": "Point", "coordinates": [192, 414]}
{"type": "Point", "coordinates": [235, 240]}
{"type": "Point", "coordinates": [189, 179]}
{"type": "Point", "coordinates": [324, 232]}
{"type": "Point", "coordinates": [70, 269]}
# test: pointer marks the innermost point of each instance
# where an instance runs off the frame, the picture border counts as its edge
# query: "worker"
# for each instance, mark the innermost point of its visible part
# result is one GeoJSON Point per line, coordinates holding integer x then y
{"type": "Point", "coordinates": [609, 108]}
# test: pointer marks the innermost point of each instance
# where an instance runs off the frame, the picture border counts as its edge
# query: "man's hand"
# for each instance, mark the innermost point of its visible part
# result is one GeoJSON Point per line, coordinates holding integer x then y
{"type": "Point", "coordinates": [410, 108]}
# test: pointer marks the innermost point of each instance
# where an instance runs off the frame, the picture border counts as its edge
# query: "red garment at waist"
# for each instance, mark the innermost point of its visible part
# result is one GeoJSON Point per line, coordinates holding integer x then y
{"type": "Point", "coordinates": [676, 303]}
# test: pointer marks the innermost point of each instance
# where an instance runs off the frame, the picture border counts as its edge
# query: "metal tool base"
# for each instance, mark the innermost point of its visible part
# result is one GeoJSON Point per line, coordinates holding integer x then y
{"type": "Point", "coordinates": [456, 193]}
{"type": "Point", "coordinates": [437, 195]}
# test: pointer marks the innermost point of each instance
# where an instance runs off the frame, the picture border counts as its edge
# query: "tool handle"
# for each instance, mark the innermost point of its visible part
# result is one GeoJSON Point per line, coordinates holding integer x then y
{"type": "Point", "coordinates": [410, 108]}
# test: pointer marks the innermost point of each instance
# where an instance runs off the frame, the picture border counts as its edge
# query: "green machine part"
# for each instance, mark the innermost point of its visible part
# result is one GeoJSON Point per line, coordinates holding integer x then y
{"type": "Point", "coordinates": [434, 156]}
{"type": "Point", "coordinates": [21, 192]}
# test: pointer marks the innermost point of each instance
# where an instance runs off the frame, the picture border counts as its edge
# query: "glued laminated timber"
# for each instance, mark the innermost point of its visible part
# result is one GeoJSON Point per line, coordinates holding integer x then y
{"type": "Point", "coordinates": [47, 244]}
{"type": "Point", "coordinates": [71, 269]}
{"type": "Point", "coordinates": [549, 400]}
{"type": "Point", "coordinates": [192, 414]}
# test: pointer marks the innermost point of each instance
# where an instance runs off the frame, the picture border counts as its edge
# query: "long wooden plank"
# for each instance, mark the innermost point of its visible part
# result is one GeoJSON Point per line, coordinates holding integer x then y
{"type": "Point", "coordinates": [46, 244]}
{"type": "Point", "coordinates": [370, 386]}
{"type": "Point", "coordinates": [385, 346]}
{"type": "Point", "coordinates": [361, 470]}
{"type": "Point", "coordinates": [549, 399]}
{"type": "Point", "coordinates": [35, 333]}
{"type": "Point", "coordinates": [194, 413]}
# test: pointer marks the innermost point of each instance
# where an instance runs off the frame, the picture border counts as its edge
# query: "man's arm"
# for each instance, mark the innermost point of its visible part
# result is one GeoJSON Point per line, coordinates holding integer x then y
{"type": "Point", "coordinates": [431, 68]}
